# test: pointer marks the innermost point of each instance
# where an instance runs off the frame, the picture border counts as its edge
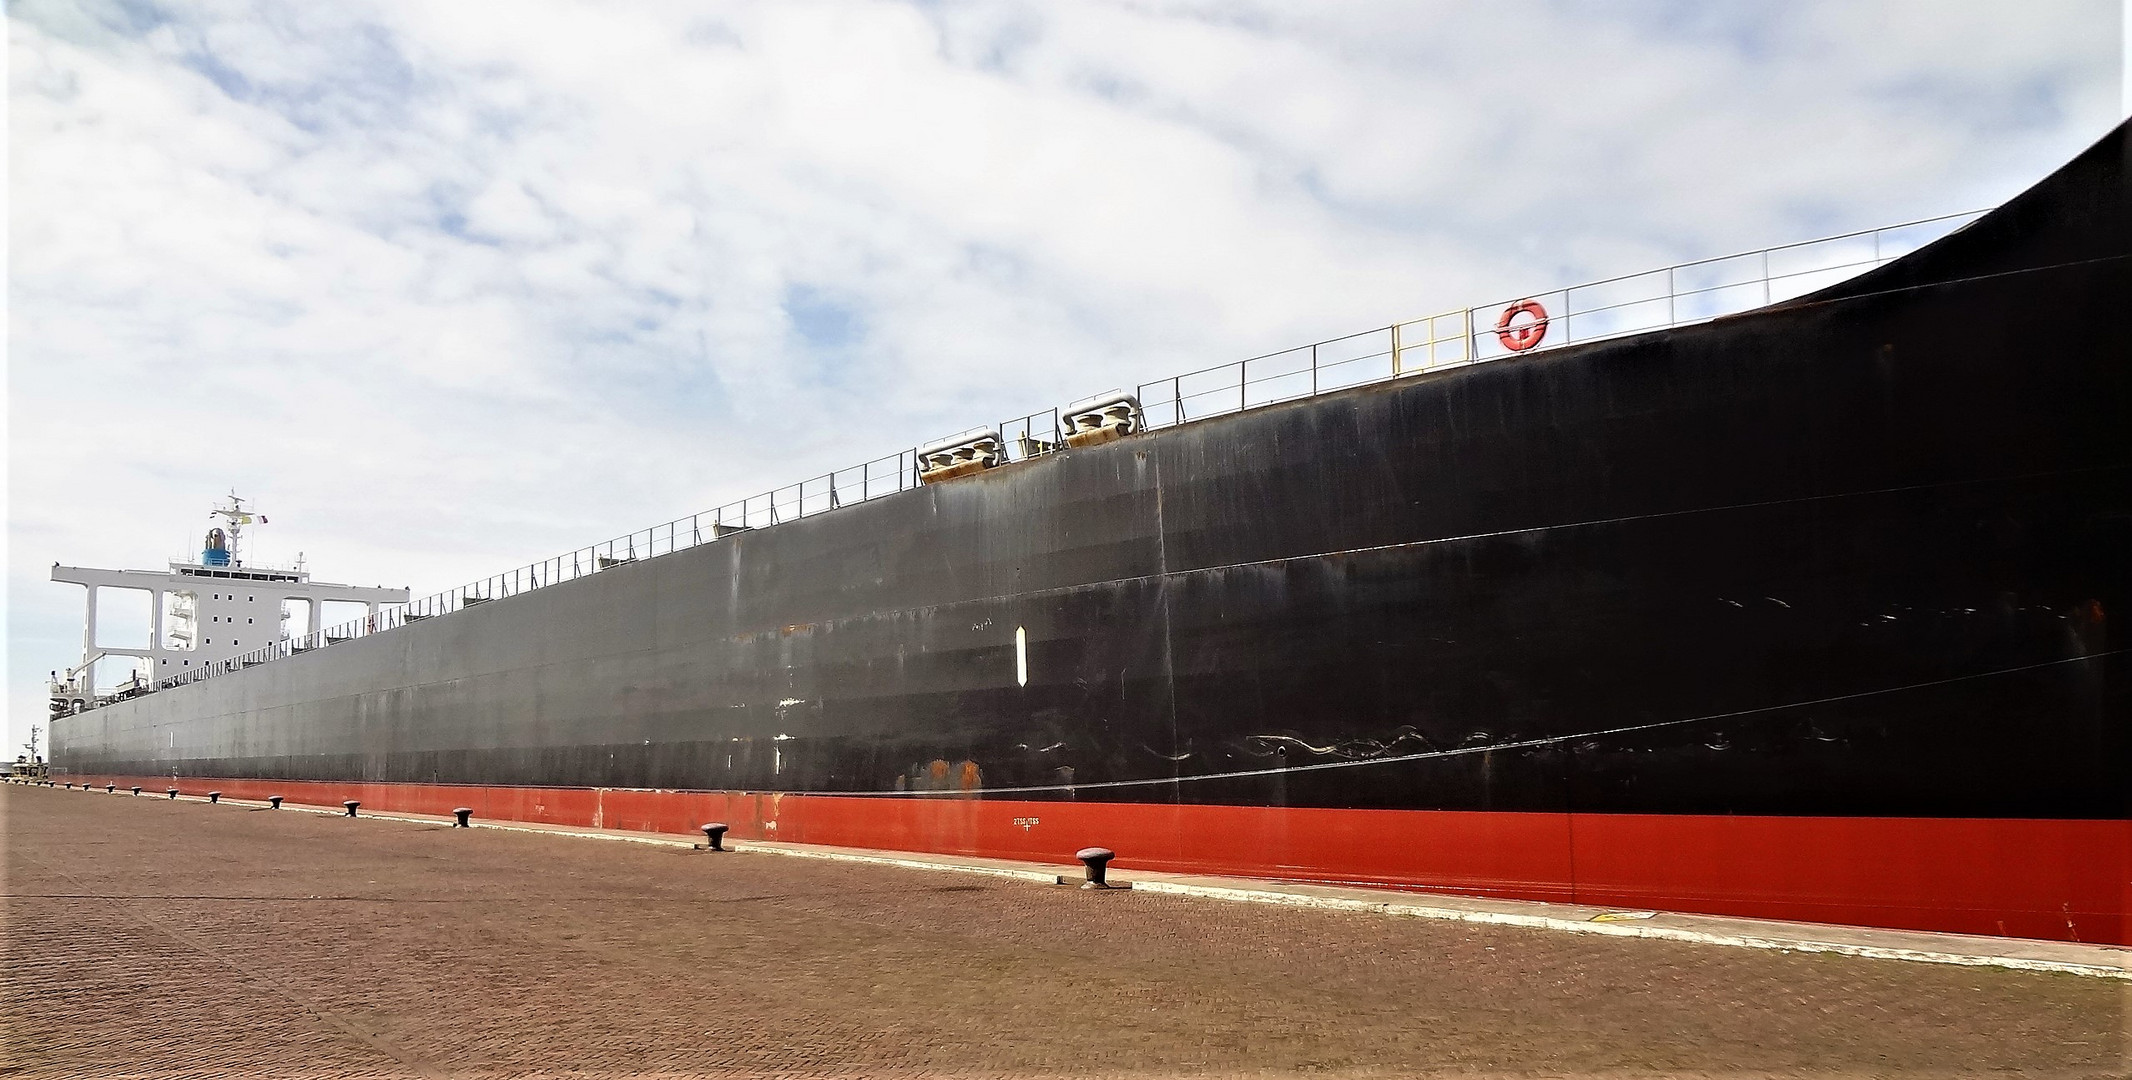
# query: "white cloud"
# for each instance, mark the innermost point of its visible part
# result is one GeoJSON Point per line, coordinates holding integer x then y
{"type": "Point", "coordinates": [448, 287]}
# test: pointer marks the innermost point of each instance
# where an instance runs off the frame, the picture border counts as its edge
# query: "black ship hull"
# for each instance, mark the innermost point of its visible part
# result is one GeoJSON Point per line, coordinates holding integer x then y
{"type": "Point", "coordinates": [1805, 612]}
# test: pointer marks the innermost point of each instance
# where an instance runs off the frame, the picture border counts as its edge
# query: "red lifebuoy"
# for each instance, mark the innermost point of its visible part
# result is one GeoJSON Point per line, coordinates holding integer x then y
{"type": "Point", "coordinates": [1524, 335]}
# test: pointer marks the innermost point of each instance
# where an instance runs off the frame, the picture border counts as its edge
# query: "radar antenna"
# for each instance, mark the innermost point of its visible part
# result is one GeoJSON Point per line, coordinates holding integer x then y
{"type": "Point", "coordinates": [235, 516]}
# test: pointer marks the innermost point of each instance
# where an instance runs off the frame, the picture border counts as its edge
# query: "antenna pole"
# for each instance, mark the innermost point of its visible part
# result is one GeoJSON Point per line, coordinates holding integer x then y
{"type": "Point", "coordinates": [234, 518]}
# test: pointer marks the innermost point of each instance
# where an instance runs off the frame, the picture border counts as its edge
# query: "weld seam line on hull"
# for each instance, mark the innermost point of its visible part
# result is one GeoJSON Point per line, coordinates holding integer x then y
{"type": "Point", "coordinates": [1521, 744]}
{"type": "Point", "coordinates": [1278, 561]}
{"type": "Point", "coordinates": [1461, 751]}
{"type": "Point", "coordinates": [1792, 306]}
{"type": "Point", "coordinates": [1169, 643]}
{"type": "Point", "coordinates": [1595, 522]}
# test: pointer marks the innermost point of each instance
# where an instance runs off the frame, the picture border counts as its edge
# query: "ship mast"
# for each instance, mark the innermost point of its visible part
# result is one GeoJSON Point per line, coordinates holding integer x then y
{"type": "Point", "coordinates": [235, 517]}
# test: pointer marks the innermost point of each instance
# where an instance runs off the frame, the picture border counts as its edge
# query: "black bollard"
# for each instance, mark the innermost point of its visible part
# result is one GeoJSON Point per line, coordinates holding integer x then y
{"type": "Point", "coordinates": [70, 786]}
{"type": "Point", "coordinates": [462, 814]}
{"type": "Point", "coordinates": [214, 796]}
{"type": "Point", "coordinates": [136, 789]}
{"type": "Point", "coordinates": [714, 836]}
{"type": "Point", "coordinates": [173, 792]}
{"type": "Point", "coordinates": [109, 788]}
{"type": "Point", "coordinates": [274, 802]}
{"type": "Point", "coordinates": [351, 804]}
{"type": "Point", "coordinates": [1095, 859]}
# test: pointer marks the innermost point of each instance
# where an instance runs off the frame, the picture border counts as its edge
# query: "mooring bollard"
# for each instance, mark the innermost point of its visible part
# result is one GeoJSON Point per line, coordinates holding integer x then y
{"type": "Point", "coordinates": [351, 804]}
{"type": "Point", "coordinates": [462, 814]}
{"type": "Point", "coordinates": [714, 836]}
{"type": "Point", "coordinates": [109, 788]}
{"type": "Point", "coordinates": [136, 789]}
{"type": "Point", "coordinates": [1095, 859]}
{"type": "Point", "coordinates": [274, 802]}
{"type": "Point", "coordinates": [173, 792]}
{"type": "Point", "coordinates": [214, 796]}
{"type": "Point", "coordinates": [70, 786]}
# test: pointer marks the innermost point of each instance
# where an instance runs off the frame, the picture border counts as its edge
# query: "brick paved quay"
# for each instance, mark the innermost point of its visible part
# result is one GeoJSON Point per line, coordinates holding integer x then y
{"type": "Point", "coordinates": [152, 938]}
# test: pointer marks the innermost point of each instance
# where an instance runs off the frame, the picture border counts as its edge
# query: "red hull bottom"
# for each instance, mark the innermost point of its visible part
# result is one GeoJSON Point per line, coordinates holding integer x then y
{"type": "Point", "coordinates": [2033, 878]}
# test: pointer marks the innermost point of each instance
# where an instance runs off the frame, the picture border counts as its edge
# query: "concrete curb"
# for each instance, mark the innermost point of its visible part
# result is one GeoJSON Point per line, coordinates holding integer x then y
{"type": "Point", "coordinates": [2090, 961]}
{"type": "Point", "coordinates": [2107, 962]}
{"type": "Point", "coordinates": [952, 864]}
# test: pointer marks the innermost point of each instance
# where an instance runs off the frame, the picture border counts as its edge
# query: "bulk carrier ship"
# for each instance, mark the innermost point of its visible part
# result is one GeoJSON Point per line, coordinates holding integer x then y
{"type": "Point", "coordinates": [1814, 610]}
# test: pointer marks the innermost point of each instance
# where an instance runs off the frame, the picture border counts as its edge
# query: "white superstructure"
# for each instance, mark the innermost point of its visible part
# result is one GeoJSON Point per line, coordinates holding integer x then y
{"type": "Point", "coordinates": [201, 612]}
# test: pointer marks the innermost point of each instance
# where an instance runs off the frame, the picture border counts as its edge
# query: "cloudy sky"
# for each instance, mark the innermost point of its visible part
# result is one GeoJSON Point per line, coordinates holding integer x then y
{"type": "Point", "coordinates": [451, 286]}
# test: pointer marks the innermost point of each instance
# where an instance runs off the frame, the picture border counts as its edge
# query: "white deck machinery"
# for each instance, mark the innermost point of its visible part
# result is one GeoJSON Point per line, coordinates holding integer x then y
{"type": "Point", "coordinates": [200, 612]}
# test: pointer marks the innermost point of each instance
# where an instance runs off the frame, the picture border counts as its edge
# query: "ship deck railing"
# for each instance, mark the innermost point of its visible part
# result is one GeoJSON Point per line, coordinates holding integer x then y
{"type": "Point", "coordinates": [1668, 297]}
